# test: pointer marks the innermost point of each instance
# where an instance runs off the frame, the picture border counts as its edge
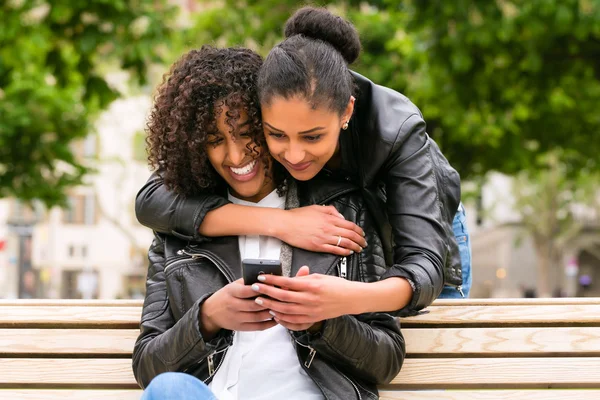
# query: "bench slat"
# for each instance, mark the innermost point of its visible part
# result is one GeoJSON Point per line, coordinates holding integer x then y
{"type": "Point", "coordinates": [441, 316]}
{"type": "Point", "coordinates": [67, 341]}
{"type": "Point", "coordinates": [502, 342]}
{"type": "Point", "coordinates": [556, 394]}
{"type": "Point", "coordinates": [76, 316]}
{"type": "Point", "coordinates": [474, 342]}
{"type": "Point", "coordinates": [501, 316]}
{"type": "Point", "coordinates": [69, 394]}
{"type": "Point", "coordinates": [67, 372]}
{"type": "Point", "coordinates": [507, 373]}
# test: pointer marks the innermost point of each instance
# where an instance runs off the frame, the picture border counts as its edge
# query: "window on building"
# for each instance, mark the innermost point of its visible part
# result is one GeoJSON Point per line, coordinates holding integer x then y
{"type": "Point", "coordinates": [81, 210]}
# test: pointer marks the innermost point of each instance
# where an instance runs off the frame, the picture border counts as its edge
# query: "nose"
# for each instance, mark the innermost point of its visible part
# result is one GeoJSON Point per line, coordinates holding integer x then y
{"type": "Point", "coordinates": [236, 152]}
{"type": "Point", "coordinates": [294, 154]}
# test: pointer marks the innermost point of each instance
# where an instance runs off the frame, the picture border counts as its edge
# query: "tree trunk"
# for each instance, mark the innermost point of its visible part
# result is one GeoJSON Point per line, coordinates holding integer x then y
{"type": "Point", "coordinates": [544, 262]}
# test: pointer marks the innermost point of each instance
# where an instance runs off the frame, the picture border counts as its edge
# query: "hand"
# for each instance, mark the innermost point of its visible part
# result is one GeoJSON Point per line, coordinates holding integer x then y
{"type": "Point", "coordinates": [306, 299]}
{"type": "Point", "coordinates": [318, 228]}
{"type": "Point", "coordinates": [233, 308]}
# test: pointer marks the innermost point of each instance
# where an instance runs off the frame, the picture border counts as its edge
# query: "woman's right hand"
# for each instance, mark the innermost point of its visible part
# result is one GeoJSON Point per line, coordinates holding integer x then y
{"type": "Point", "coordinates": [319, 228]}
{"type": "Point", "coordinates": [233, 307]}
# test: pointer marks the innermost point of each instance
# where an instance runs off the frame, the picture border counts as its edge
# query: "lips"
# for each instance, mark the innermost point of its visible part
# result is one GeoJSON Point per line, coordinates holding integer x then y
{"type": "Point", "coordinates": [299, 167]}
{"type": "Point", "coordinates": [245, 172]}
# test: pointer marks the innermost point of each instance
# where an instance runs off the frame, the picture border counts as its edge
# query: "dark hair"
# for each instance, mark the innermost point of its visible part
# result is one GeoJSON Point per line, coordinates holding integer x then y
{"type": "Point", "coordinates": [313, 60]}
{"type": "Point", "coordinates": [188, 101]}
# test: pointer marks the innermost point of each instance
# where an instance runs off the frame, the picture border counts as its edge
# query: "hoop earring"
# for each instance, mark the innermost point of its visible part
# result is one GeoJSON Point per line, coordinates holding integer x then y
{"type": "Point", "coordinates": [345, 126]}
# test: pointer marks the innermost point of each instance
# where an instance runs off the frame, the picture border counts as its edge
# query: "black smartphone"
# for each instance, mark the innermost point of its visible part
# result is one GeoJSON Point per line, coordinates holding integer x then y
{"type": "Point", "coordinates": [252, 268]}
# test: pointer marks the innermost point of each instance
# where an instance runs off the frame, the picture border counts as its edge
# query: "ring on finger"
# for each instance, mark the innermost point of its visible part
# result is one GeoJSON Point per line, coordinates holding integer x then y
{"type": "Point", "coordinates": [339, 241]}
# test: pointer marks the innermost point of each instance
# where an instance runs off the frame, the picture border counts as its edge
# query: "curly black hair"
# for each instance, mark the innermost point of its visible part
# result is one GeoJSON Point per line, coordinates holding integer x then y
{"type": "Point", "coordinates": [186, 107]}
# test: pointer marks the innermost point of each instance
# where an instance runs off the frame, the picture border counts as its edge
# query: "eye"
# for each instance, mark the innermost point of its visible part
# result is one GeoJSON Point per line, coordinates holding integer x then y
{"type": "Point", "coordinates": [276, 135]}
{"type": "Point", "coordinates": [313, 138]}
{"type": "Point", "coordinates": [215, 142]}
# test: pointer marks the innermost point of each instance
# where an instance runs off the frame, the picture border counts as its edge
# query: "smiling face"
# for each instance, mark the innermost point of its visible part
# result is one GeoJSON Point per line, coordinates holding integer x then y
{"type": "Point", "coordinates": [302, 138]}
{"type": "Point", "coordinates": [237, 159]}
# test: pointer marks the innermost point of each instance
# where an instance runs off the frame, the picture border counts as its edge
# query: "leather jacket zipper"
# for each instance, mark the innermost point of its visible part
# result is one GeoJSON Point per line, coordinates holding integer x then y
{"type": "Point", "coordinates": [342, 268]}
{"type": "Point", "coordinates": [211, 258]}
{"type": "Point", "coordinates": [203, 254]}
{"type": "Point", "coordinates": [351, 382]}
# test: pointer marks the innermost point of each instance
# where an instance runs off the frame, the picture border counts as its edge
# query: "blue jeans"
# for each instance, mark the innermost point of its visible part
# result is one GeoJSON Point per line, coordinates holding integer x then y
{"type": "Point", "coordinates": [461, 233]}
{"type": "Point", "coordinates": [177, 386]}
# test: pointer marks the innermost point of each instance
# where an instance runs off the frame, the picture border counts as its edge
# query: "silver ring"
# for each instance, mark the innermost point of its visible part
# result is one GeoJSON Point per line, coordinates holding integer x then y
{"type": "Point", "coordinates": [339, 241]}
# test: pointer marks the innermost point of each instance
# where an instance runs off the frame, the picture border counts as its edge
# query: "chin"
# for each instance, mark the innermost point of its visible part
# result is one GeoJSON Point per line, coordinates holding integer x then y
{"type": "Point", "coordinates": [303, 175]}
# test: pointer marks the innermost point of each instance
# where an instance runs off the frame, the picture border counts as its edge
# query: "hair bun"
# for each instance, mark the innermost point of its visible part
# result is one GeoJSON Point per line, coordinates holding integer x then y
{"type": "Point", "coordinates": [318, 23]}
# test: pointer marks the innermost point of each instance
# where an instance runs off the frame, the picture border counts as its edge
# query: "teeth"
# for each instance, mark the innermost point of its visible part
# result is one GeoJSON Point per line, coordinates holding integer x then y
{"type": "Point", "coordinates": [245, 170]}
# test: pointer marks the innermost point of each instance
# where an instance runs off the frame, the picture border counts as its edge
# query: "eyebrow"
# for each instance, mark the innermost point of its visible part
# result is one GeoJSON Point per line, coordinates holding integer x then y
{"type": "Point", "coordinates": [318, 128]}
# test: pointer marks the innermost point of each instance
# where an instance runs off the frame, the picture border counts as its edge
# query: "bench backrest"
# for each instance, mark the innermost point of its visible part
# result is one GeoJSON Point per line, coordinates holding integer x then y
{"type": "Point", "coordinates": [58, 348]}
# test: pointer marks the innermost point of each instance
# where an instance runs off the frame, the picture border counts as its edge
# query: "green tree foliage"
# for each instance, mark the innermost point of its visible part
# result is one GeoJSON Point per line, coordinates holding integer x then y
{"type": "Point", "coordinates": [499, 82]}
{"type": "Point", "coordinates": [51, 85]}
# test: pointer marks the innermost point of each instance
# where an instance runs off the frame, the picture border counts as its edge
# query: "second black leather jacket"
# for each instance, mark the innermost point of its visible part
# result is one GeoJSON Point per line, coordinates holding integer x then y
{"type": "Point", "coordinates": [408, 184]}
{"type": "Point", "coordinates": [347, 359]}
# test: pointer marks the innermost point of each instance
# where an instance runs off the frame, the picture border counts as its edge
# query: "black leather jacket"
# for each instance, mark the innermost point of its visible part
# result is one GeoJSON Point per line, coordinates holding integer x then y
{"type": "Point", "coordinates": [347, 359]}
{"type": "Point", "coordinates": [408, 184]}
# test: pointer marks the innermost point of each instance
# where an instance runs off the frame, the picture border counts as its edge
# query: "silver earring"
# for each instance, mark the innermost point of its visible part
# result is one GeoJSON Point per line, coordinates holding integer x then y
{"type": "Point", "coordinates": [345, 126]}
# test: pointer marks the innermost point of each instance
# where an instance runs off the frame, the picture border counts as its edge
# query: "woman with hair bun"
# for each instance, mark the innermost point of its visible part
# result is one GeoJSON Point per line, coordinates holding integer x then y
{"type": "Point", "coordinates": [323, 121]}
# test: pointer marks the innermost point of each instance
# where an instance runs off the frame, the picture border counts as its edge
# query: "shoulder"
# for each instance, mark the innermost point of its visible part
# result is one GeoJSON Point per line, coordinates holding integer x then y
{"type": "Point", "coordinates": [383, 113]}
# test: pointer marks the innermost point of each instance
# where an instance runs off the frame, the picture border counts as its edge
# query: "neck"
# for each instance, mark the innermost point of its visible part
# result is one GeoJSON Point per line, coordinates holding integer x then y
{"type": "Point", "coordinates": [264, 192]}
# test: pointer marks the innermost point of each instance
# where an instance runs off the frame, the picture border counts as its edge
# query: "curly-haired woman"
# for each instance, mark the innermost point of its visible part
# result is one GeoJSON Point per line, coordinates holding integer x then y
{"type": "Point", "coordinates": [200, 324]}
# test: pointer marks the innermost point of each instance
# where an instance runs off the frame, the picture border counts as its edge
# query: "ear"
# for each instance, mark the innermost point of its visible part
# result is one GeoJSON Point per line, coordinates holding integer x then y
{"type": "Point", "coordinates": [349, 110]}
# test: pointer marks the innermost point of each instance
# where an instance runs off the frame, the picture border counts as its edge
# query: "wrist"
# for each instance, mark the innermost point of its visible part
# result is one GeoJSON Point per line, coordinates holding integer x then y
{"type": "Point", "coordinates": [208, 327]}
{"type": "Point", "coordinates": [276, 226]}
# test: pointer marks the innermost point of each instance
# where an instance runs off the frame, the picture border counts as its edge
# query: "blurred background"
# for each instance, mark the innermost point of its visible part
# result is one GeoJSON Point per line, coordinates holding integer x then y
{"type": "Point", "coordinates": [510, 90]}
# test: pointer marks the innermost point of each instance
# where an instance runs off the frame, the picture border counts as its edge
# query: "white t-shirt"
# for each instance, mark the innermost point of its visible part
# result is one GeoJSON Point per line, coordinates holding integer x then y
{"type": "Point", "coordinates": [263, 365]}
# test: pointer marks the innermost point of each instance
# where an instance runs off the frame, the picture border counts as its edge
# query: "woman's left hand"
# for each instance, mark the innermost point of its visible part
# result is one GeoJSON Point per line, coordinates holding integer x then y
{"type": "Point", "coordinates": [306, 299]}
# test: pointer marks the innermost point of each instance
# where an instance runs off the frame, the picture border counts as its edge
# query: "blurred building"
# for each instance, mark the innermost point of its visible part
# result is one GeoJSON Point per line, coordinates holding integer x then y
{"type": "Point", "coordinates": [504, 258]}
{"type": "Point", "coordinates": [95, 248]}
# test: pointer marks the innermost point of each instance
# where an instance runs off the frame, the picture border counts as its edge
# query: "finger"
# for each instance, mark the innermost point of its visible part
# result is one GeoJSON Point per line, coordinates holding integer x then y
{"type": "Point", "coordinates": [283, 308]}
{"type": "Point", "coordinates": [331, 249]}
{"type": "Point", "coordinates": [303, 271]}
{"type": "Point", "coordinates": [289, 283]}
{"type": "Point", "coordinates": [252, 317]}
{"type": "Point", "coordinates": [287, 296]}
{"type": "Point", "coordinates": [257, 326]}
{"type": "Point", "coordinates": [351, 237]}
{"type": "Point", "coordinates": [293, 327]}
{"type": "Point", "coordinates": [243, 305]}
{"type": "Point", "coordinates": [294, 319]}
{"type": "Point", "coordinates": [349, 225]}
{"type": "Point", "coordinates": [242, 291]}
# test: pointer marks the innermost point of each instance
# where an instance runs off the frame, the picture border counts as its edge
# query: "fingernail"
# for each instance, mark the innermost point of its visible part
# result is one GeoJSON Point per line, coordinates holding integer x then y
{"type": "Point", "coordinates": [272, 313]}
{"type": "Point", "coordinates": [262, 278]}
{"type": "Point", "coordinates": [364, 234]}
{"type": "Point", "coordinates": [351, 252]}
{"type": "Point", "coordinates": [255, 287]}
{"type": "Point", "coordinates": [258, 301]}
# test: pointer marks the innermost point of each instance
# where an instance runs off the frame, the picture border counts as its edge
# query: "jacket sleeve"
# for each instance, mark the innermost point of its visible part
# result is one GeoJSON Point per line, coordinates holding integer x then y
{"type": "Point", "coordinates": [164, 344]}
{"type": "Point", "coordinates": [418, 181]}
{"type": "Point", "coordinates": [164, 211]}
{"type": "Point", "coordinates": [370, 345]}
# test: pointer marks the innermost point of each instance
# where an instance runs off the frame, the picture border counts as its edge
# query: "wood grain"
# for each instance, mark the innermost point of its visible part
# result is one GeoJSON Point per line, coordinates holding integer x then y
{"type": "Point", "coordinates": [502, 342]}
{"type": "Point", "coordinates": [72, 316]}
{"type": "Point", "coordinates": [25, 342]}
{"type": "Point", "coordinates": [502, 315]}
{"type": "Point", "coordinates": [69, 394]}
{"type": "Point", "coordinates": [557, 394]}
{"type": "Point", "coordinates": [67, 372]}
{"type": "Point", "coordinates": [508, 373]}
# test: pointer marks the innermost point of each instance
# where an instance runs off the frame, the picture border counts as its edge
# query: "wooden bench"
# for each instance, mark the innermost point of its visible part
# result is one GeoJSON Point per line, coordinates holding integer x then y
{"type": "Point", "coordinates": [462, 349]}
